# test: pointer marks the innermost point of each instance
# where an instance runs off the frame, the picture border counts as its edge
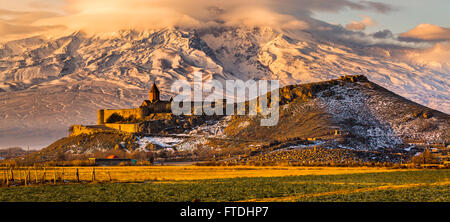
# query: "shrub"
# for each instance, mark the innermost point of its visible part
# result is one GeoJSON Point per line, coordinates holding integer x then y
{"type": "Point", "coordinates": [425, 158]}
{"type": "Point", "coordinates": [115, 118]}
{"type": "Point", "coordinates": [61, 156]}
{"type": "Point", "coordinates": [71, 129]}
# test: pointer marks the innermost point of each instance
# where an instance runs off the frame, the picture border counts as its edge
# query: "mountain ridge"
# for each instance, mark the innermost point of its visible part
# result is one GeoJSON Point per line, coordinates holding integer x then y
{"type": "Point", "coordinates": [115, 70]}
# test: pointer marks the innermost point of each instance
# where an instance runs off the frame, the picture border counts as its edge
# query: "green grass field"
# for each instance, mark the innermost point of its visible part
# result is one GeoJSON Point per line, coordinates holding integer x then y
{"type": "Point", "coordinates": [420, 185]}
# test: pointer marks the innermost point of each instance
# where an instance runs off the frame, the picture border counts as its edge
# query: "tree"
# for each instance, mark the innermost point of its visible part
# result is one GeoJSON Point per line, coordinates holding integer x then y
{"type": "Point", "coordinates": [425, 158]}
{"type": "Point", "coordinates": [71, 129]}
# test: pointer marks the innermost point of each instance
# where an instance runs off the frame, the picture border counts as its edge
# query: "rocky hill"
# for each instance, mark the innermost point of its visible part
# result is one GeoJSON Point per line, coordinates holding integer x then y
{"type": "Point", "coordinates": [350, 114]}
{"type": "Point", "coordinates": [361, 114]}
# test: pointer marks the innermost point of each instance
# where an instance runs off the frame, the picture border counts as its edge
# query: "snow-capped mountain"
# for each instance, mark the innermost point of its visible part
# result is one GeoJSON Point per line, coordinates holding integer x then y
{"type": "Point", "coordinates": [46, 85]}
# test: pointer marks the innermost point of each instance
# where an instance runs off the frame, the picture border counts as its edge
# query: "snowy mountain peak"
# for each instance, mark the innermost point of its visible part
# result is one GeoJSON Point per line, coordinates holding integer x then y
{"type": "Point", "coordinates": [48, 84]}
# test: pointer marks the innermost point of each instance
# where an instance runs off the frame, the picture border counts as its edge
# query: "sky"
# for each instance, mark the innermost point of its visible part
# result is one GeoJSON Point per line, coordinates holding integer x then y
{"type": "Point", "coordinates": [409, 14]}
{"type": "Point", "coordinates": [406, 14]}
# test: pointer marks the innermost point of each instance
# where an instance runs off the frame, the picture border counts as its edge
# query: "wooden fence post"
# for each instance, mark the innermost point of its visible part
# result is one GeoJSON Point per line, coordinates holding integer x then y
{"type": "Point", "coordinates": [93, 174]}
{"type": "Point", "coordinates": [7, 178]}
{"type": "Point", "coordinates": [78, 176]}
{"type": "Point", "coordinates": [54, 176]}
{"type": "Point", "coordinates": [35, 175]}
{"type": "Point", "coordinates": [12, 174]}
{"type": "Point", "coordinates": [20, 176]}
{"type": "Point", "coordinates": [25, 182]}
{"type": "Point", "coordinates": [29, 176]}
{"type": "Point", "coordinates": [109, 174]}
{"type": "Point", "coordinates": [43, 175]}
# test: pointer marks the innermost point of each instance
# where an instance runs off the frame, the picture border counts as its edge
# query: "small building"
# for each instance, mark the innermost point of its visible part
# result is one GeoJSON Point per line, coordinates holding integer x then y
{"type": "Point", "coordinates": [112, 157]}
{"type": "Point", "coordinates": [112, 161]}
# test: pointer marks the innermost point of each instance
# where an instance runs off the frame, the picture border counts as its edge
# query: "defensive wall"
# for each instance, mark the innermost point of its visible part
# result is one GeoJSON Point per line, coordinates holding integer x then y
{"type": "Point", "coordinates": [113, 127]}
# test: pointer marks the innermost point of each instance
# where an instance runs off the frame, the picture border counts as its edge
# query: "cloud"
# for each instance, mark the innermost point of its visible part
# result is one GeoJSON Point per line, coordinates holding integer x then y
{"type": "Point", "coordinates": [384, 38]}
{"type": "Point", "coordinates": [262, 17]}
{"type": "Point", "coordinates": [426, 32]}
{"type": "Point", "coordinates": [437, 57]}
{"type": "Point", "coordinates": [361, 25]}
{"type": "Point", "coordinates": [384, 34]}
{"type": "Point", "coordinates": [8, 29]}
{"type": "Point", "coordinates": [379, 7]}
{"type": "Point", "coordinates": [293, 6]}
{"type": "Point", "coordinates": [24, 17]}
{"type": "Point", "coordinates": [113, 15]}
{"type": "Point", "coordinates": [108, 15]}
{"type": "Point", "coordinates": [14, 24]}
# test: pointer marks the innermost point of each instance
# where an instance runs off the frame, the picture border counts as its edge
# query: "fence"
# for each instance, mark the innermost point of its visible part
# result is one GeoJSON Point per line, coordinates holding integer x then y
{"type": "Point", "coordinates": [56, 175]}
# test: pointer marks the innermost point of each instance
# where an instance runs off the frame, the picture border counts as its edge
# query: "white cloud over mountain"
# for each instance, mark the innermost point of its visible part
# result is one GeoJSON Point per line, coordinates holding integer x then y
{"type": "Point", "coordinates": [361, 25]}
{"type": "Point", "coordinates": [113, 15]}
{"type": "Point", "coordinates": [427, 32]}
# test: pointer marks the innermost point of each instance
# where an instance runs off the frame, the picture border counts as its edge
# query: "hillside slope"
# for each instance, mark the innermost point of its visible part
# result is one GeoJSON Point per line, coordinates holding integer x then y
{"type": "Point", "coordinates": [365, 115]}
{"type": "Point", "coordinates": [350, 115]}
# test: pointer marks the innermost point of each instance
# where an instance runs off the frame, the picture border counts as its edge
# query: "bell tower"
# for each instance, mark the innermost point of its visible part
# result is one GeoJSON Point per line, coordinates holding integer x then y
{"type": "Point", "coordinates": [154, 94]}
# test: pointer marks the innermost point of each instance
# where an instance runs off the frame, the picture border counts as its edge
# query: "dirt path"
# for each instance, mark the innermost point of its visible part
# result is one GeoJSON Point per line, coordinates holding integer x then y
{"type": "Point", "coordinates": [387, 187]}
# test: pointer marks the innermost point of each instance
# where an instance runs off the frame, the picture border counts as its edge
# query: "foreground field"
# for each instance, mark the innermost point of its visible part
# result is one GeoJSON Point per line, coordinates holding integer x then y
{"type": "Point", "coordinates": [183, 184]}
{"type": "Point", "coordinates": [158, 173]}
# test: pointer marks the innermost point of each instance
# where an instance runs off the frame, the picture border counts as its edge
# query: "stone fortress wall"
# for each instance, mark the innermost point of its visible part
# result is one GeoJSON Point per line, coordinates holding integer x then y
{"type": "Point", "coordinates": [110, 127]}
{"type": "Point", "coordinates": [104, 115]}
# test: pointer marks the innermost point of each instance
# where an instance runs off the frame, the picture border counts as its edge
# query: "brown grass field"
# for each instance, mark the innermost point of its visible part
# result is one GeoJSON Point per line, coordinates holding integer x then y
{"type": "Point", "coordinates": [217, 184]}
{"type": "Point", "coordinates": [171, 173]}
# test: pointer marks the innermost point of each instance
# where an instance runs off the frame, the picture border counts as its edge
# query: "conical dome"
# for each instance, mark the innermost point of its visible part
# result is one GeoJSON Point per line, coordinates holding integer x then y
{"type": "Point", "coordinates": [154, 93]}
{"type": "Point", "coordinates": [154, 88]}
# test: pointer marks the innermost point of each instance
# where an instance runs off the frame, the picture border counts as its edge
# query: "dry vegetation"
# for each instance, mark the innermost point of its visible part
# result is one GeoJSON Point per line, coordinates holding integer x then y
{"type": "Point", "coordinates": [183, 184]}
{"type": "Point", "coordinates": [58, 175]}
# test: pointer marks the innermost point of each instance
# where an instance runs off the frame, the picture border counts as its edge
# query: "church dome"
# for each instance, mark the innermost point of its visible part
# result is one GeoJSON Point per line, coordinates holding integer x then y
{"type": "Point", "coordinates": [154, 94]}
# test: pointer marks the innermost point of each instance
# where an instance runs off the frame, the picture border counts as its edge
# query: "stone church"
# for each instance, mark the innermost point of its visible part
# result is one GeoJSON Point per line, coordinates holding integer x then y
{"type": "Point", "coordinates": [151, 106]}
{"type": "Point", "coordinates": [126, 120]}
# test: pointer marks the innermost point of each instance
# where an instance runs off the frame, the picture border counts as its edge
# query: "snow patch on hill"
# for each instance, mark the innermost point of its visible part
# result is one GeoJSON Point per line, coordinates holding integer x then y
{"type": "Point", "coordinates": [164, 142]}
